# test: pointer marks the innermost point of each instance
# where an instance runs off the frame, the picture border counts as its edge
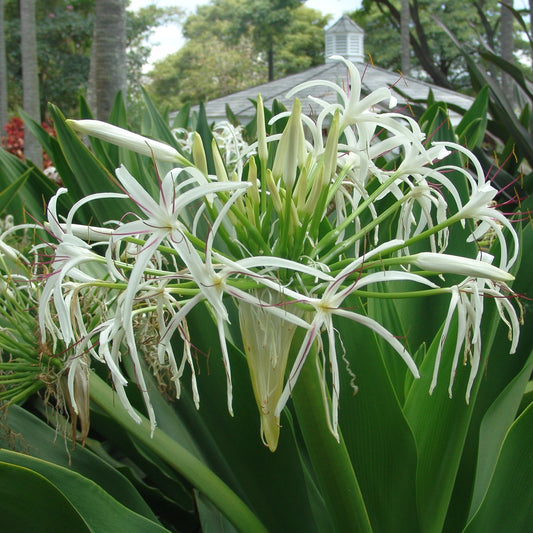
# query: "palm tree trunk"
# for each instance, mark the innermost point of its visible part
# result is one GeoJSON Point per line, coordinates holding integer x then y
{"type": "Point", "coordinates": [30, 78]}
{"type": "Point", "coordinates": [109, 53]}
{"type": "Point", "coordinates": [3, 73]}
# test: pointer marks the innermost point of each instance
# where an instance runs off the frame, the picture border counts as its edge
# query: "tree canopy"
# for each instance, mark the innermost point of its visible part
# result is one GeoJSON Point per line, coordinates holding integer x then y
{"type": "Point", "coordinates": [64, 40]}
{"type": "Point", "coordinates": [229, 47]}
{"type": "Point", "coordinates": [433, 53]}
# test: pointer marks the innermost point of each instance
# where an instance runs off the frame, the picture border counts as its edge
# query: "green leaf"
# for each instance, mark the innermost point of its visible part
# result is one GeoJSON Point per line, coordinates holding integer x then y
{"type": "Point", "coordinates": [330, 459]}
{"type": "Point", "coordinates": [180, 459]}
{"type": "Point", "coordinates": [31, 196]}
{"type": "Point", "coordinates": [471, 130]}
{"type": "Point", "coordinates": [271, 483]}
{"type": "Point", "coordinates": [440, 425]}
{"type": "Point", "coordinates": [204, 130]}
{"type": "Point", "coordinates": [30, 502]}
{"type": "Point", "coordinates": [212, 520]}
{"type": "Point", "coordinates": [8, 193]}
{"type": "Point", "coordinates": [99, 510]}
{"type": "Point", "coordinates": [28, 434]}
{"type": "Point", "coordinates": [508, 504]}
{"type": "Point", "coordinates": [377, 436]}
{"type": "Point", "coordinates": [493, 429]}
{"type": "Point", "coordinates": [181, 120]}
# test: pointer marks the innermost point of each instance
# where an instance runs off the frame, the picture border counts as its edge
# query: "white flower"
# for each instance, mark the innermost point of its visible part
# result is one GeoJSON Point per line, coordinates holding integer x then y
{"type": "Point", "coordinates": [70, 253]}
{"type": "Point", "coordinates": [468, 300]}
{"type": "Point", "coordinates": [329, 305]}
{"type": "Point", "coordinates": [479, 208]}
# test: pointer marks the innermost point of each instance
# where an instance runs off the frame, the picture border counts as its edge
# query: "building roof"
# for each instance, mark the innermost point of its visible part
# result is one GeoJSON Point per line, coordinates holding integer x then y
{"type": "Point", "coordinates": [373, 78]}
{"type": "Point", "coordinates": [345, 25]}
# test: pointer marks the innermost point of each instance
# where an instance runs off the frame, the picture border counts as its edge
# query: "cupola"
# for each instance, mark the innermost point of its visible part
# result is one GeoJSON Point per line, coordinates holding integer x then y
{"type": "Point", "coordinates": [345, 38]}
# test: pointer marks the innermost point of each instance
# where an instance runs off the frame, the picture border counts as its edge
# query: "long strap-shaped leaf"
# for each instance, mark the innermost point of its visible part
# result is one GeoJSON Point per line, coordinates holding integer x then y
{"type": "Point", "coordinates": [179, 458]}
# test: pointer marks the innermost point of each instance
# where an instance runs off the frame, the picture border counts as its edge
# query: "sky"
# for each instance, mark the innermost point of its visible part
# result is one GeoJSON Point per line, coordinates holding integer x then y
{"type": "Point", "coordinates": [168, 39]}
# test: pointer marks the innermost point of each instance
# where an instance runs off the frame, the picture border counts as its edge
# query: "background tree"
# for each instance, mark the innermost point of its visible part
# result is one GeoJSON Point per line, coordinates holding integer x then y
{"type": "Point", "coordinates": [404, 37]}
{"type": "Point", "coordinates": [202, 71]}
{"type": "Point", "coordinates": [108, 55]}
{"type": "Point", "coordinates": [435, 56]}
{"type": "Point", "coordinates": [3, 72]}
{"type": "Point", "coordinates": [217, 60]}
{"type": "Point", "coordinates": [64, 40]}
{"type": "Point", "coordinates": [266, 22]}
{"type": "Point", "coordinates": [506, 39]}
{"type": "Point", "coordinates": [30, 77]}
{"type": "Point", "coordinates": [139, 26]}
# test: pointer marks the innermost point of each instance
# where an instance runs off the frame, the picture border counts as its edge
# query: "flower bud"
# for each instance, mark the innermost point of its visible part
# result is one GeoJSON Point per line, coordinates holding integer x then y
{"type": "Point", "coordinates": [126, 139]}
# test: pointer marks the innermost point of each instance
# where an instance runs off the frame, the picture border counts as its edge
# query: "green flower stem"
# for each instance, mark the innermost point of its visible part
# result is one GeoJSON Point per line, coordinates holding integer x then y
{"type": "Point", "coordinates": [178, 458]}
{"type": "Point", "coordinates": [346, 243]}
{"type": "Point", "coordinates": [331, 462]}
{"type": "Point", "coordinates": [332, 236]}
{"type": "Point", "coordinates": [21, 393]}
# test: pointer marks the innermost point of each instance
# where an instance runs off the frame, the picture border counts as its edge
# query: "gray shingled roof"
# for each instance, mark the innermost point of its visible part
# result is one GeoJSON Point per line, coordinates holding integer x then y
{"type": "Point", "coordinates": [345, 25]}
{"type": "Point", "coordinates": [335, 71]}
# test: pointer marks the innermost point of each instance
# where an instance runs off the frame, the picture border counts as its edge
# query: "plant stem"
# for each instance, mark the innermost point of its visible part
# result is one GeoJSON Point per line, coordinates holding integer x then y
{"type": "Point", "coordinates": [197, 473]}
{"type": "Point", "coordinates": [330, 459]}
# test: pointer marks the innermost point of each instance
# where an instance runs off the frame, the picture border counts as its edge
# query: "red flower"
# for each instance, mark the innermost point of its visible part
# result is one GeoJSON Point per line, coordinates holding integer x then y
{"type": "Point", "coordinates": [13, 142]}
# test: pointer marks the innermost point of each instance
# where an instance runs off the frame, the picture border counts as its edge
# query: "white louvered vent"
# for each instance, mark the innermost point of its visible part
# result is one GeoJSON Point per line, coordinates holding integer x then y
{"type": "Point", "coordinates": [345, 38]}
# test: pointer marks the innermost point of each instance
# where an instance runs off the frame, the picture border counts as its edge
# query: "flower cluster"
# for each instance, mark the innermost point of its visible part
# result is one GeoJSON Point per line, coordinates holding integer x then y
{"type": "Point", "coordinates": [302, 223]}
{"type": "Point", "coordinates": [13, 141]}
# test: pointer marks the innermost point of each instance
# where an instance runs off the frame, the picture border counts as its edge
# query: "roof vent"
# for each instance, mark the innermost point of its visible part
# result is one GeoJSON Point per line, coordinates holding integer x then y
{"type": "Point", "coordinates": [345, 38]}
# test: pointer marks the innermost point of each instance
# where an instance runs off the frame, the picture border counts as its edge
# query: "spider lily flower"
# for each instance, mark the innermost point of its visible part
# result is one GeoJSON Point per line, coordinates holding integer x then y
{"type": "Point", "coordinates": [329, 305]}
{"type": "Point", "coordinates": [288, 243]}
{"type": "Point", "coordinates": [127, 139]}
{"type": "Point", "coordinates": [467, 301]}
{"type": "Point", "coordinates": [163, 224]}
{"type": "Point", "coordinates": [479, 208]}
{"type": "Point", "coordinates": [70, 253]}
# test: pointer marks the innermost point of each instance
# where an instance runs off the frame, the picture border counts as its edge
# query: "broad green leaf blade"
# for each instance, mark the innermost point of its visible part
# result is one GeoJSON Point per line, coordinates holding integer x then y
{"type": "Point", "coordinates": [527, 398]}
{"type": "Point", "coordinates": [499, 370]}
{"type": "Point", "coordinates": [181, 120]}
{"type": "Point", "coordinates": [8, 193]}
{"type": "Point", "coordinates": [499, 391]}
{"type": "Point", "coordinates": [100, 511]}
{"type": "Point", "coordinates": [204, 130]}
{"type": "Point", "coordinates": [271, 483]}
{"type": "Point", "coordinates": [385, 311]}
{"type": "Point", "coordinates": [32, 196]}
{"type": "Point", "coordinates": [440, 425]}
{"type": "Point", "coordinates": [376, 433]}
{"type": "Point", "coordinates": [180, 459]}
{"type": "Point", "coordinates": [211, 518]}
{"type": "Point", "coordinates": [493, 429]}
{"type": "Point", "coordinates": [31, 435]}
{"type": "Point", "coordinates": [508, 505]}
{"type": "Point", "coordinates": [329, 459]}
{"type": "Point", "coordinates": [471, 130]}
{"type": "Point", "coordinates": [171, 484]}
{"type": "Point", "coordinates": [30, 502]}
